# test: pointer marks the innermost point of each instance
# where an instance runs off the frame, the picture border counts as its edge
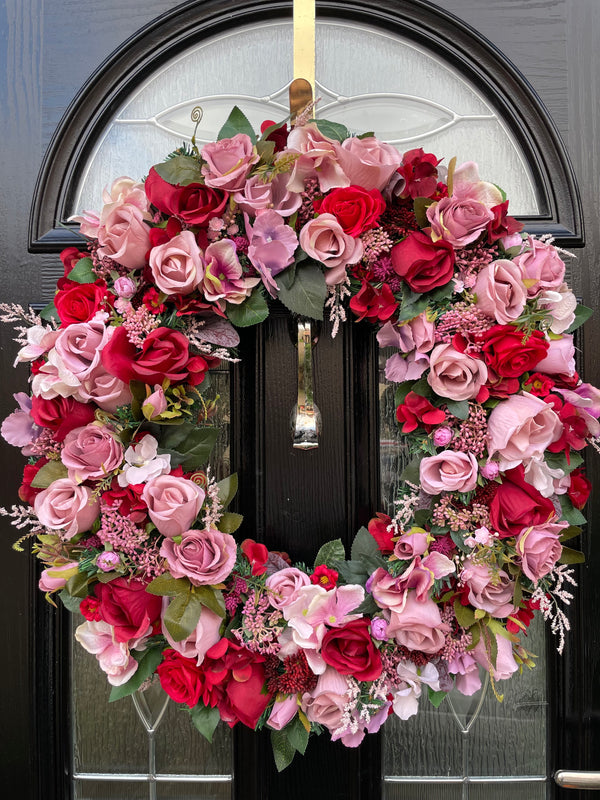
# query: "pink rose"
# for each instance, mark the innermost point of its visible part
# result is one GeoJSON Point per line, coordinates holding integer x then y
{"type": "Point", "coordinates": [448, 471]}
{"type": "Point", "coordinates": [228, 162]}
{"type": "Point", "coordinates": [177, 265]}
{"type": "Point", "coordinates": [104, 389]}
{"type": "Point", "coordinates": [490, 590]}
{"type": "Point", "coordinates": [66, 507]}
{"type": "Point", "coordinates": [54, 578]}
{"type": "Point", "coordinates": [541, 265]}
{"type": "Point", "coordinates": [540, 549]}
{"type": "Point", "coordinates": [324, 239]}
{"type": "Point", "coordinates": [113, 657]}
{"type": "Point", "coordinates": [521, 428]}
{"type": "Point", "coordinates": [560, 359]}
{"type": "Point", "coordinates": [319, 158]}
{"type": "Point", "coordinates": [505, 661]}
{"type": "Point", "coordinates": [500, 291]}
{"type": "Point", "coordinates": [206, 557]}
{"type": "Point", "coordinates": [202, 638]}
{"type": "Point", "coordinates": [368, 162]}
{"type": "Point", "coordinates": [283, 586]}
{"type": "Point", "coordinates": [283, 711]}
{"type": "Point", "coordinates": [173, 503]}
{"type": "Point", "coordinates": [413, 543]}
{"type": "Point", "coordinates": [91, 453]}
{"type": "Point", "coordinates": [458, 221]}
{"type": "Point", "coordinates": [325, 704]}
{"type": "Point", "coordinates": [79, 346]}
{"type": "Point", "coordinates": [455, 375]}
{"type": "Point", "coordinates": [416, 334]}
{"type": "Point", "coordinates": [125, 237]}
{"type": "Point", "coordinates": [418, 626]}
{"type": "Point", "coordinates": [386, 590]}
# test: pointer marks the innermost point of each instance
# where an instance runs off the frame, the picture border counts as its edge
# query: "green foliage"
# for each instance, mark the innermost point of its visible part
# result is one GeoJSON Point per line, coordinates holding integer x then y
{"type": "Point", "coordinates": [411, 471]}
{"type": "Point", "coordinates": [50, 472]}
{"type": "Point", "coordinates": [182, 615]}
{"type": "Point", "coordinates": [582, 314]}
{"type": "Point", "coordinates": [180, 170]}
{"type": "Point", "coordinates": [188, 445]}
{"type": "Point", "coordinates": [227, 489]}
{"type": "Point", "coordinates": [570, 556]}
{"type": "Point", "coordinates": [366, 550]}
{"type": "Point", "coordinates": [306, 297]}
{"type": "Point", "coordinates": [83, 271]}
{"type": "Point", "coordinates": [334, 130]}
{"type": "Point", "coordinates": [230, 522]}
{"type": "Point", "coordinates": [569, 512]}
{"type": "Point", "coordinates": [148, 661]}
{"type": "Point", "coordinates": [237, 122]}
{"type": "Point", "coordinates": [205, 719]}
{"type": "Point", "coordinates": [252, 311]}
{"type": "Point", "coordinates": [436, 698]}
{"type": "Point", "coordinates": [458, 408]}
{"type": "Point", "coordinates": [330, 553]}
{"type": "Point", "coordinates": [49, 313]}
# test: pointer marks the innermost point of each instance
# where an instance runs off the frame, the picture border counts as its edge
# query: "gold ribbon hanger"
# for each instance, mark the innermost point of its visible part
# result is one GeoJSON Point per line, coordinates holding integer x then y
{"type": "Point", "coordinates": [302, 87]}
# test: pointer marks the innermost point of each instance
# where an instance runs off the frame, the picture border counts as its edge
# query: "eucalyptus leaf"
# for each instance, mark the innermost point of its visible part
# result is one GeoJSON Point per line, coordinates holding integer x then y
{"type": "Point", "coordinates": [180, 170]}
{"type": "Point", "coordinates": [306, 297]}
{"type": "Point", "coordinates": [330, 552]}
{"type": "Point", "coordinates": [252, 311]}
{"type": "Point", "coordinates": [237, 122]}
{"type": "Point", "coordinates": [148, 661]}
{"type": "Point", "coordinates": [50, 472]}
{"type": "Point", "coordinates": [205, 719]}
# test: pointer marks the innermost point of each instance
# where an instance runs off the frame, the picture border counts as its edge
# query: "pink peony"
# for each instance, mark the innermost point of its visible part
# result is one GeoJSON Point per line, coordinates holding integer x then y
{"type": "Point", "coordinates": [206, 557]}
{"type": "Point", "coordinates": [448, 471]}
{"type": "Point", "coordinates": [66, 507]}
{"type": "Point", "coordinates": [173, 503]}
{"type": "Point", "coordinates": [455, 375]}
{"type": "Point", "coordinates": [91, 453]}
{"type": "Point", "coordinates": [228, 162]}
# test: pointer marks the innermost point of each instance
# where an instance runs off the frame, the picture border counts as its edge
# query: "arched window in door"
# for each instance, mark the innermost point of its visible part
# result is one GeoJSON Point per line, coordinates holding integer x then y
{"type": "Point", "coordinates": [428, 81]}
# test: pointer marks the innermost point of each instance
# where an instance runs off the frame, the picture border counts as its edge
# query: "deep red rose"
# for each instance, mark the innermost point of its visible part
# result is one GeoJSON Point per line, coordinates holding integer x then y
{"type": "Point", "coordinates": [417, 411]}
{"type": "Point", "coordinates": [351, 651]}
{"type": "Point", "coordinates": [195, 204]}
{"type": "Point", "coordinates": [574, 430]}
{"type": "Point", "coordinates": [278, 135]}
{"type": "Point", "coordinates": [419, 170]}
{"type": "Point", "coordinates": [257, 554]}
{"type": "Point", "coordinates": [128, 607]}
{"type": "Point", "coordinates": [180, 677]}
{"type": "Point", "coordinates": [26, 492]}
{"type": "Point", "coordinates": [378, 528]}
{"type": "Point", "coordinates": [539, 385]}
{"type": "Point", "coordinates": [580, 488]}
{"type": "Point", "coordinates": [374, 304]}
{"type": "Point", "coordinates": [80, 301]}
{"type": "Point", "coordinates": [61, 414]}
{"type": "Point", "coordinates": [325, 577]}
{"type": "Point", "coordinates": [356, 209]}
{"type": "Point", "coordinates": [511, 352]}
{"type": "Point", "coordinates": [164, 354]}
{"type": "Point", "coordinates": [69, 257]}
{"type": "Point", "coordinates": [423, 264]}
{"type": "Point", "coordinates": [517, 505]}
{"type": "Point", "coordinates": [502, 224]}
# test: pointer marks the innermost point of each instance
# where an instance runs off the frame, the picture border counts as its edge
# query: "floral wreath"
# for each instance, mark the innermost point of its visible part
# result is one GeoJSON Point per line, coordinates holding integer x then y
{"type": "Point", "coordinates": [132, 527]}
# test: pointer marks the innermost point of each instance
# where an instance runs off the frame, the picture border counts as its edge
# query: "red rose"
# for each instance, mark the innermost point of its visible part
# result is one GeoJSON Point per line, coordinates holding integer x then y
{"type": "Point", "coordinates": [356, 209]}
{"type": "Point", "coordinates": [419, 170]}
{"type": "Point", "coordinates": [378, 528]}
{"type": "Point", "coordinates": [374, 304]}
{"type": "Point", "coordinates": [164, 354]}
{"type": "Point", "coordinates": [417, 411]}
{"type": "Point", "coordinates": [257, 554]}
{"type": "Point", "coordinates": [517, 505]}
{"type": "Point", "coordinates": [579, 489]}
{"type": "Point", "coordinates": [422, 264]}
{"type": "Point", "coordinates": [60, 414]}
{"type": "Point", "coordinates": [195, 204]}
{"type": "Point", "coordinates": [180, 677]}
{"type": "Point", "coordinates": [78, 302]}
{"type": "Point", "coordinates": [128, 607]}
{"type": "Point", "coordinates": [350, 650]}
{"type": "Point", "coordinates": [511, 352]}
{"type": "Point", "coordinates": [69, 257]}
{"type": "Point", "coordinates": [26, 493]}
{"type": "Point", "coordinates": [502, 224]}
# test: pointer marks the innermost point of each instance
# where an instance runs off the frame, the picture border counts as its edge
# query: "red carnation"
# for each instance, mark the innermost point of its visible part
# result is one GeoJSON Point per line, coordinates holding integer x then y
{"type": "Point", "coordinates": [510, 352]}
{"type": "Point", "coordinates": [417, 411]}
{"type": "Point", "coordinates": [423, 264]}
{"type": "Point", "coordinates": [351, 651]}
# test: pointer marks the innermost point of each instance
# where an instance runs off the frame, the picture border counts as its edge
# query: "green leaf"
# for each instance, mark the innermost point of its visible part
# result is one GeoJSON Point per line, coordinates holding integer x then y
{"type": "Point", "coordinates": [411, 472]}
{"type": "Point", "coordinates": [188, 445]}
{"type": "Point", "coordinates": [297, 734]}
{"type": "Point", "coordinates": [582, 314]}
{"type": "Point", "coordinates": [334, 130]}
{"type": "Point", "coordinates": [83, 271]}
{"type": "Point", "coordinates": [287, 277]}
{"type": "Point", "coordinates": [366, 550]}
{"type": "Point", "coordinates": [436, 698]}
{"type": "Point", "coordinates": [330, 552]}
{"type": "Point", "coordinates": [422, 517]}
{"type": "Point", "coordinates": [422, 388]}
{"type": "Point", "coordinates": [211, 598]}
{"type": "Point", "coordinates": [230, 522]}
{"type": "Point", "coordinates": [180, 170]}
{"type": "Point", "coordinates": [402, 390]}
{"type": "Point", "coordinates": [77, 585]}
{"type": "Point", "coordinates": [227, 489]}
{"type": "Point", "coordinates": [368, 607]}
{"type": "Point", "coordinates": [50, 472]}
{"type": "Point", "coordinates": [465, 616]}
{"type": "Point", "coordinates": [70, 603]}
{"type": "Point", "coordinates": [308, 293]}
{"type": "Point", "coordinates": [148, 661]}
{"type": "Point", "coordinates": [421, 205]}
{"type": "Point", "coordinates": [570, 556]}
{"type": "Point", "coordinates": [569, 512]}
{"type": "Point", "coordinates": [559, 461]}
{"type": "Point", "coordinates": [182, 615]}
{"type": "Point", "coordinates": [49, 313]}
{"type": "Point", "coordinates": [458, 408]}
{"type": "Point", "coordinates": [265, 150]}
{"type": "Point", "coordinates": [353, 572]}
{"type": "Point", "coordinates": [166, 584]}
{"type": "Point", "coordinates": [570, 533]}
{"type": "Point", "coordinates": [237, 122]}
{"type": "Point", "coordinates": [283, 750]}
{"type": "Point", "coordinates": [252, 311]}
{"type": "Point", "coordinates": [205, 719]}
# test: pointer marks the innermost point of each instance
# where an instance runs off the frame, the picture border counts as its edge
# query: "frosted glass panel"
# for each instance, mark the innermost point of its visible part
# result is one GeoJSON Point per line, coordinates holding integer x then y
{"type": "Point", "coordinates": [408, 97]}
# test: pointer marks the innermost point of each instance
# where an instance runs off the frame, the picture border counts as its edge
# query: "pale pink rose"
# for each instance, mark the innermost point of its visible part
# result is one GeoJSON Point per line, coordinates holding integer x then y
{"type": "Point", "coordinates": [173, 503]}
{"type": "Point", "coordinates": [91, 452]}
{"type": "Point", "coordinates": [54, 578]}
{"type": "Point", "coordinates": [80, 345]}
{"type": "Point", "coordinates": [418, 626]}
{"type": "Point", "coordinates": [104, 389]}
{"type": "Point", "coordinates": [539, 548]}
{"type": "Point", "coordinates": [113, 657]}
{"type": "Point", "coordinates": [89, 222]}
{"type": "Point", "coordinates": [142, 463]}
{"type": "Point", "coordinates": [416, 334]}
{"type": "Point", "coordinates": [505, 661]}
{"type": "Point", "coordinates": [521, 428]}
{"type": "Point", "coordinates": [177, 265]}
{"type": "Point", "coordinates": [228, 162]}
{"type": "Point", "coordinates": [320, 159]}
{"type": "Point", "coordinates": [283, 711]}
{"type": "Point", "coordinates": [455, 375]}
{"type": "Point", "coordinates": [413, 543]}
{"type": "Point", "coordinates": [325, 704]}
{"type": "Point", "coordinates": [206, 557]}
{"type": "Point", "coordinates": [123, 190]}
{"type": "Point", "coordinates": [490, 589]}
{"type": "Point", "coordinates": [467, 184]}
{"type": "Point", "coordinates": [155, 404]}
{"type": "Point", "coordinates": [202, 638]}
{"type": "Point", "coordinates": [324, 239]}
{"type": "Point", "coordinates": [386, 590]}
{"type": "Point", "coordinates": [542, 267]}
{"type": "Point", "coordinates": [410, 368]}
{"type": "Point", "coordinates": [448, 471]}
{"type": "Point", "coordinates": [368, 162]}
{"type": "Point", "coordinates": [258, 194]}
{"type": "Point", "coordinates": [458, 221]}
{"type": "Point", "coordinates": [125, 287]}
{"type": "Point", "coordinates": [500, 291]}
{"type": "Point", "coordinates": [560, 358]}
{"type": "Point", "coordinates": [561, 305]}
{"type": "Point", "coordinates": [283, 586]}
{"type": "Point", "coordinates": [66, 507]}
{"type": "Point", "coordinates": [223, 276]}
{"type": "Point", "coordinates": [125, 237]}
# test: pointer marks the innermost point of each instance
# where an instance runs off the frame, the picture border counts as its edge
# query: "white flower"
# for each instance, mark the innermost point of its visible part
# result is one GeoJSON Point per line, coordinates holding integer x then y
{"type": "Point", "coordinates": [142, 462]}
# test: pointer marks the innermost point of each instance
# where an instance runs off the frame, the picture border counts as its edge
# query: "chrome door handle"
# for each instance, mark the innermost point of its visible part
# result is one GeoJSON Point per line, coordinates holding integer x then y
{"type": "Point", "coordinates": [569, 779]}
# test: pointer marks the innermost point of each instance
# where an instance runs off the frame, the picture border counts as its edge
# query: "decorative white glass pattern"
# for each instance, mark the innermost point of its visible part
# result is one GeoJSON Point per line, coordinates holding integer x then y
{"type": "Point", "coordinates": [408, 97]}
